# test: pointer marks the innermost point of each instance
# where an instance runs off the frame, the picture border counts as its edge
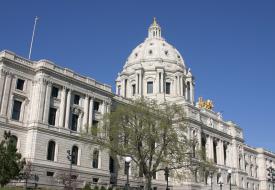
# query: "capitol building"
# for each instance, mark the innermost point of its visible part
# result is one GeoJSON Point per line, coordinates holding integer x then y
{"type": "Point", "coordinates": [47, 109]}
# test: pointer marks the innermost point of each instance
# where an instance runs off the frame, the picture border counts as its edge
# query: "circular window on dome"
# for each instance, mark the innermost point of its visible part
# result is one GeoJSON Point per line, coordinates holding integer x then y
{"type": "Point", "coordinates": [163, 44]}
{"type": "Point", "coordinates": [166, 52]}
{"type": "Point", "coordinates": [178, 56]}
{"type": "Point", "coordinates": [136, 54]}
{"type": "Point", "coordinates": [151, 44]}
{"type": "Point", "coordinates": [150, 52]}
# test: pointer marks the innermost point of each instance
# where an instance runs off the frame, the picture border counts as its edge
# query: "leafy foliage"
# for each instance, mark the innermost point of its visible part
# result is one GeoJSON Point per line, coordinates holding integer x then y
{"type": "Point", "coordinates": [11, 162]}
{"type": "Point", "coordinates": [87, 187]}
{"type": "Point", "coordinates": [153, 135]}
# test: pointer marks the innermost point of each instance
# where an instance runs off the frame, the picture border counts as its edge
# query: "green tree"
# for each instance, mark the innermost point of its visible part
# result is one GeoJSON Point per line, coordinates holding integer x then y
{"type": "Point", "coordinates": [11, 162]}
{"type": "Point", "coordinates": [153, 135]}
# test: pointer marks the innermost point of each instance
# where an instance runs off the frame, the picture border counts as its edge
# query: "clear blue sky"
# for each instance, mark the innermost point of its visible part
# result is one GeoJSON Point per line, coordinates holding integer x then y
{"type": "Point", "coordinates": [228, 44]}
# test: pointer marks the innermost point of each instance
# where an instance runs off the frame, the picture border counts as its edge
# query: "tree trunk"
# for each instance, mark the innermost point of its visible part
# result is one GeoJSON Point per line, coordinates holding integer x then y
{"type": "Point", "coordinates": [148, 182]}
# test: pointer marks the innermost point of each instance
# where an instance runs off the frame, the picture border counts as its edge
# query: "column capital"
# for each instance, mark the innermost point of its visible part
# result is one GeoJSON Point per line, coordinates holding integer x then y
{"type": "Point", "coordinates": [42, 80]}
{"type": "Point", "coordinates": [3, 72]}
{"type": "Point", "coordinates": [49, 83]}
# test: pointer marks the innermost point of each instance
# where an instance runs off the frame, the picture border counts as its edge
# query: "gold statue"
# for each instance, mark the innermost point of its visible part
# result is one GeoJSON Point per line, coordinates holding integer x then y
{"type": "Point", "coordinates": [208, 104]}
{"type": "Point", "coordinates": [201, 103]}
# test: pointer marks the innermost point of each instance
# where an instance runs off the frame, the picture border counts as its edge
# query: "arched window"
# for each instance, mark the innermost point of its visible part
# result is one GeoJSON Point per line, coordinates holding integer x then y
{"type": "Point", "coordinates": [51, 150]}
{"type": "Point", "coordinates": [14, 140]}
{"type": "Point", "coordinates": [95, 158]}
{"type": "Point", "coordinates": [74, 155]}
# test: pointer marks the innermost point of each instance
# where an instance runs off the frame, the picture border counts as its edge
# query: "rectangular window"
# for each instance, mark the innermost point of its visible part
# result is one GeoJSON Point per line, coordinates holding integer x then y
{"type": "Point", "coordinates": [16, 110]}
{"type": "Point", "coordinates": [149, 87]}
{"type": "Point", "coordinates": [159, 82]}
{"type": "Point", "coordinates": [52, 116]}
{"type": "Point", "coordinates": [167, 87]}
{"type": "Point", "coordinates": [74, 122]}
{"type": "Point", "coordinates": [96, 106]}
{"type": "Point", "coordinates": [50, 174]}
{"type": "Point", "coordinates": [20, 84]}
{"type": "Point", "coordinates": [55, 92]}
{"type": "Point", "coordinates": [76, 99]}
{"type": "Point", "coordinates": [133, 89]}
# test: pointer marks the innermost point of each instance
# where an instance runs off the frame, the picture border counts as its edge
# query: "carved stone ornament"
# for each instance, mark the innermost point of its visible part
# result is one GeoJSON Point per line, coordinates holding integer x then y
{"type": "Point", "coordinates": [210, 122]}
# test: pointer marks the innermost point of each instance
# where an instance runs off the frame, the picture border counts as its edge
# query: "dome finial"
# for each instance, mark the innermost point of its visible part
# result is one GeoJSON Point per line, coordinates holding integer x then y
{"type": "Point", "coordinates": [154, 30]}
{"type": "Point", "coordinates": [155, 21]}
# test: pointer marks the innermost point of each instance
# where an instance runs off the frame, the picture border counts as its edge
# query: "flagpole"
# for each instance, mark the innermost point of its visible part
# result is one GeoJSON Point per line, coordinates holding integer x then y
{"type": "Point", "coordinates": [33, 32]}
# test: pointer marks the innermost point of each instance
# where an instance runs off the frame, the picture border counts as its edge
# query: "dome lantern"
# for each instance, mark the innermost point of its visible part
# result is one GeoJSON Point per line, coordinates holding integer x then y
{"type": "Point", "coordinates": [154, 30]}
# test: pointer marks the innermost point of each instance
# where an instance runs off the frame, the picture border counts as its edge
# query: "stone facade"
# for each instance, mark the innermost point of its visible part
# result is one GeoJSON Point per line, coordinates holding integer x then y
{"type": "Point", "coordinates": [42, 104]}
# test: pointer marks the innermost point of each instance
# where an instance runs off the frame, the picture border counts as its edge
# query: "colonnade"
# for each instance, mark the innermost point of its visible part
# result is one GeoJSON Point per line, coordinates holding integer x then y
{"type": "Point", "coordinates": [42, 102]}
{"type": "Point", "coordinates": [6, 81]}
{"type": "Point", "coordinates": [219, 151]}
{"type": "Point", "coordinates": [180, 86]}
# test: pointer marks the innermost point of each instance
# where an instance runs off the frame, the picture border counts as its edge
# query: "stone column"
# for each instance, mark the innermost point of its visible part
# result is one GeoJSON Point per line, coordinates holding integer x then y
{"type": "Point", "coordinates": [79, 121]}
{"type": "Point", "coordinates": [228, 155]}
{"type": "Point", "coordinates": [221, 153]}
{"type": "Point", "coordinates": [176, 82]}
{"type": "Point", "coordinates": [108, 108]}
{"type": "Point", "coordinates": [211, 148]}
{"type": "Point", "coordinates": [262, 168]}
{"type": "Point", "coordinates": [2, 86]}
{"type": "Point", "coordinates": [91, 112]}
{"type": "Point", "coordinates": [207, 147]}
{"type": "Point", "coordinates": [42, 93]}
{"type": "Point", "coordinates": [141, 82]}
{"type": "Point", "coordinates": [86, 113]}
{"type": "Point", "coordinates": [32, 114]}
{"type": "Point", "coordinates": [25, 110]}
{"type": "Point", "coordinates": [6, 94]}
{"type": "Point", "coordinates": [186, 91]}
{"type": "Point", "coordinates": [62, 107]}
{"type": "Point", "coordinates": [104, 104]}
{"type": "Point", "coordinates": [68, 108]}
{"type": "Point", "coordinates": [183, 87]}
{"type": "Point", "coordinates": [191, 92]}
{"type": "Point", "coordinates": [137, 84]}
{"type": "Point", "coordinates": [180, 84]}
{"type": "Point", "coordinates": [126, 89]}
{"type": "Point", "coordinates": [158, 82]}
{"type": "Point", "coordinates": [162, 82]}
{"type": "Point", "coordinates": [47, 102]}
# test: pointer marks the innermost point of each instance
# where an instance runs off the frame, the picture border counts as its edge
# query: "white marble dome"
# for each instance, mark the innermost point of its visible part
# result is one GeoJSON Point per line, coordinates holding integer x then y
{"type": "Point", "coordinates": [155, 50]}
{"type": "Point", "coordinates": [155, 69]}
